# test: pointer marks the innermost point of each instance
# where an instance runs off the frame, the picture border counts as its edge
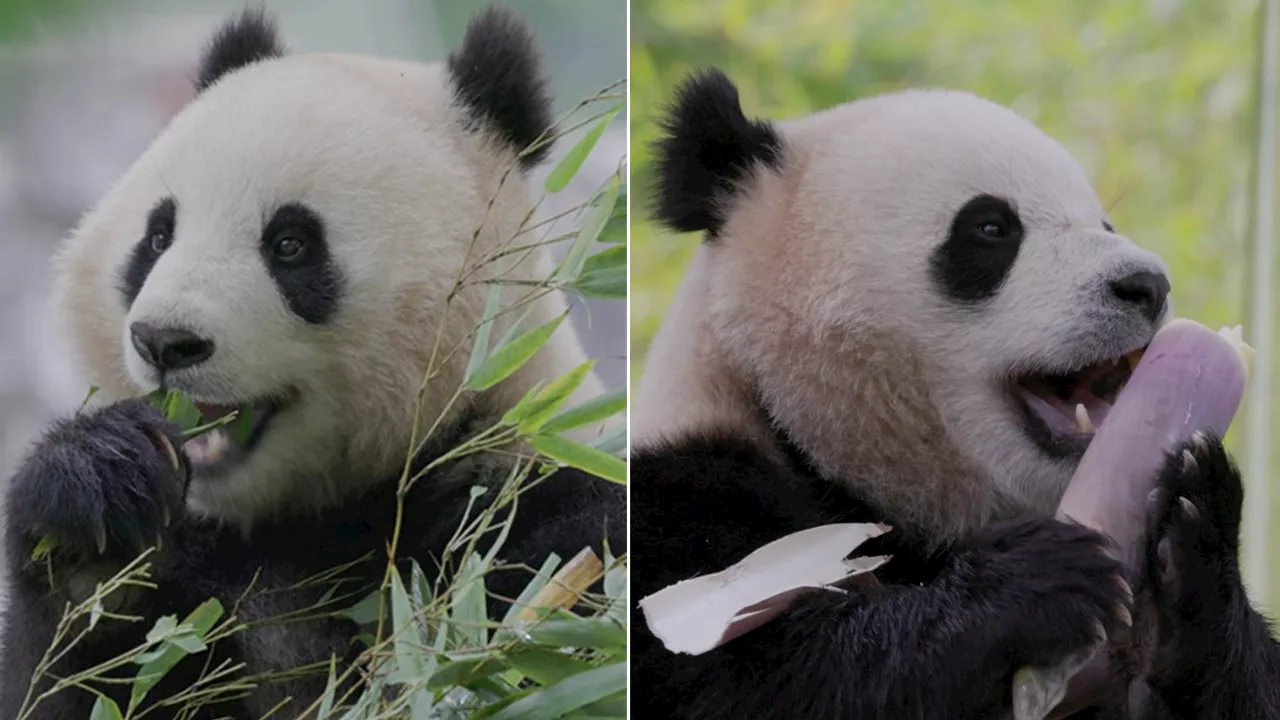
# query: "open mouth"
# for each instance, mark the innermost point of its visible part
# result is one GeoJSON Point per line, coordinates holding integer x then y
{"type": "Point", "coordinates": [1063, 411]}
{"type": "Point", "coordinates": [229, 444]}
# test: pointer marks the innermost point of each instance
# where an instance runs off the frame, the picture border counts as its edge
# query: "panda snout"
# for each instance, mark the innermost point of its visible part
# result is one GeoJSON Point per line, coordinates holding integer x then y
{"type": "Point", "coordinates": [1144, 291]}
{"type": "Point", "coordinates": [169, 348]}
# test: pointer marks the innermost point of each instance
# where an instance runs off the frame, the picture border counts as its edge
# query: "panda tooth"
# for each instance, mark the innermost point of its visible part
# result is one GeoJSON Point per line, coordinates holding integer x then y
{"type": "Point", "coordinates": [218, 444]}
{"type": "Point", "coordinates": [1083, 423]}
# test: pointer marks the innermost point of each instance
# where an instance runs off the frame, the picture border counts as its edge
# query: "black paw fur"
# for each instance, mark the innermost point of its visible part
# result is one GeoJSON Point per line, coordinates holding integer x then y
{"type": "Point", "coordinates": [1193, 545]}
{"type": "Point", "coordinates": [101, 483]}
{"type": "Point", "coordinates": [1055, 589]}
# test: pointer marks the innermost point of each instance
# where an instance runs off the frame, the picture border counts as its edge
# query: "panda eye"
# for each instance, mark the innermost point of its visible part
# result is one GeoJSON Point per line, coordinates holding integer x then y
{"type": "Point", "coordinates": [289, 248]}
{"type": "Point", "coordinates": [993, 229]}
{"type": "Point", "coordinates": [1108, 227]}
{"type": "Point", "coordinates": [159, 240]}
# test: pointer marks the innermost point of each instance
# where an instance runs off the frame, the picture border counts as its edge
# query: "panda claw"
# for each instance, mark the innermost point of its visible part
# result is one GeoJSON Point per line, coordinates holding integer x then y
{"type": "Point", "coordinates": [100, 535]}
{"type": "Point", "coordinates": [1200, 440]}
{"type": "Point", "coordinates": [1124, 587]}
{"type": "Point", "coordinates": [1164, 554]}
{"type": "Point", "coordinates": [1124, 616]}
{"type": "Point", "coordinates": [1099, 632]}
{"type": "Point", "coordinates": [1189, 509]}
{"type": "Point", "coordinates": [1188, 462]}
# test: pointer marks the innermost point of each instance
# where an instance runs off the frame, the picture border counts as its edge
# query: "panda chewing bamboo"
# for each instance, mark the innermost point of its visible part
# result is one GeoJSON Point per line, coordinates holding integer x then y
{"type": "Point", "coordinates": [289, 248]}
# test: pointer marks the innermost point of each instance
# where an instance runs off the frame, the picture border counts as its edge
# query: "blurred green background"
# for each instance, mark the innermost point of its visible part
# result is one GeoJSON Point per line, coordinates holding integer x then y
{"type": "Point", "coordinates": [1156, 98]}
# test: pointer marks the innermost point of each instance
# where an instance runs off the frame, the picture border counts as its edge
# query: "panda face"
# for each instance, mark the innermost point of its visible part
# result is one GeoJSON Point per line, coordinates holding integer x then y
{"type": "Point", "coordinates": [285, 248]}
{"type": "Point", "coordinates": [924, 285]}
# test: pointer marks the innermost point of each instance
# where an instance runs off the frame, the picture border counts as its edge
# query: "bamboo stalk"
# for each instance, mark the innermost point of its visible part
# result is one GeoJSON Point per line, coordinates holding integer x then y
{"type": "Point", "coordinates": [1263, 317]}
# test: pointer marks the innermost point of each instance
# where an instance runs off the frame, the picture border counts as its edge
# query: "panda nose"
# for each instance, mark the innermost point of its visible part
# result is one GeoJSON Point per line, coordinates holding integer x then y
{"type": "Point", "coordinates": [1146, 291]}
{"type": "Point", "coordinates": [167, 348]}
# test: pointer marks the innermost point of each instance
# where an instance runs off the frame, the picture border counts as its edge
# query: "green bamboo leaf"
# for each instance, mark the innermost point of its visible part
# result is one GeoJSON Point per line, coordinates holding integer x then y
{"type": "Point", "coordinates": [584, 457]}
{"type": "Point", "coordinates": [597, 409]}
{"type": "Point", "coordinates": [568, 166]}
{"type": "Point", "coordinates": [613, 441]}
{"type": "Point", "coordinates": [550, 399]}
{"type": "Point", "coordinates": [410, 659]}
{"type": "Point", "coordinates": [604, 275]}
{"type": "Point", "coordinates": [93, 390]}
{"type": "Point", "coordinates": [462, 672]}
{"type": "Point", "coordinates": [330, 688]}
{"type": "Point", "coordinates": [571, 265]}
{"type": "Point", "coordinates": [155, 665]}
{"type": "Point", "coordinates": [481, 347]}
{"type": "Point", "coordinates": [105, 709]}
{"type": "Point", "coordinates": [521, 408]}
{"type": "Point", "coordinates": [47, 544]}
{"type": "Point", "coordinates": [365, 612]}
{"type": "Point", "coordinates": [568, 695]}
{"type": "Point", "coordinates": [568, 630]}
{"type": "Point", "coordinates": [508, 358]}
{"type": "Point", "coordinates": [468, 610]}
{"type": "Point", "coordinates": [615, 230]}
{"type": "Point", "coordinates": [545, 666]}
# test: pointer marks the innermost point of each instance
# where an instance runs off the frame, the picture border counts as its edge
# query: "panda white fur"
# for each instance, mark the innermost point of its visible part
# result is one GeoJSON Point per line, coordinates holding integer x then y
{"type": "Point", "coordinates": [874, 329]}
{"type": "Point", "coordinates": [289, 242]}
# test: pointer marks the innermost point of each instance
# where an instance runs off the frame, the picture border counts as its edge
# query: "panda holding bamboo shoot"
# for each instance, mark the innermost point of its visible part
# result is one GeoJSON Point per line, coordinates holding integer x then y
{"type": "Point", "coordinates": [912, 310]}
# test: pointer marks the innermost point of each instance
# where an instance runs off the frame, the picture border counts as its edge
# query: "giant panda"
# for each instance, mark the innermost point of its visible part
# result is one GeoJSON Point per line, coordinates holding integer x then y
{"type": "Point", "coordinates": [289, 244]}
{"type": "Point", "coordinates": [896, 304]}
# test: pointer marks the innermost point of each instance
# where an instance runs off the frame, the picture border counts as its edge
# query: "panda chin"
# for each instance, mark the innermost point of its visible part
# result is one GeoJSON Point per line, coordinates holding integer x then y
{"type": "Point", "coordinates": [1061, 411]}
{"type": "Point", "coordinates": [217, 452]}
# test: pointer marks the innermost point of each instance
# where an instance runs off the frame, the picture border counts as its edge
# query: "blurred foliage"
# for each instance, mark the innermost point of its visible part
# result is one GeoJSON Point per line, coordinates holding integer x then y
{"type": "Point", "coordinates": [20, 18]}
{"type": "Point", "coordinates": [1154, 97]}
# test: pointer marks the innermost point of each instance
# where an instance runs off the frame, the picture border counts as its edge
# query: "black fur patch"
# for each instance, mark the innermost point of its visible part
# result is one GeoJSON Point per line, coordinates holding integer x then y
{"type": "Point", "coordinates": [710, 146]}
{"type": "Point", "coordinates": [240, 41]}
{"type": "Point", "coordinates": [939, 638]}
{"type": "Point", "coordinates": [979, 251]}
{"type": "Point", "coordinates": [309, 280]}
{"type": "Point", "coordinates": [498, 78]}
{"type": "Point", "coordinates": [161, 225]}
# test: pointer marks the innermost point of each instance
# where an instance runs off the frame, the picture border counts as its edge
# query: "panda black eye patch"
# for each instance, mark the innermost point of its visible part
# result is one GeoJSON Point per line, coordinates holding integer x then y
{"type": "Point", "coordinates": [297, 257]}
{"type": "Point", "coordinates": [157, 236]}
{"type": "Point", "coordinates": [980, 249]}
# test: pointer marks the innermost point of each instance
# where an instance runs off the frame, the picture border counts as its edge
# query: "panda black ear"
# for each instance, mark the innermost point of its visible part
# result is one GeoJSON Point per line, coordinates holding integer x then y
{"type": "Point", "coordinates": [497, 75]}
{"type": "Point", "coordinates": [238, 42]}
{"type": "Point", "coordinates": [708, 148]}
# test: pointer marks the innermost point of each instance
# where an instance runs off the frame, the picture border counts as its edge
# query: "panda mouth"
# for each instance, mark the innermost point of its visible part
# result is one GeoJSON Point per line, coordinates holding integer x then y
{"type": "Point", "coordinates": [228, 445]}
{"type": "Point", "coordinates": [1064, 410]}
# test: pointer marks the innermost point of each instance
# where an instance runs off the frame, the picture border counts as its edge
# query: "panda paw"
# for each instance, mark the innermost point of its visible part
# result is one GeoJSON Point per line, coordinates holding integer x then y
{"type": "Point", "coordinates": [99, 486]}
{"type": "Point", "coordinates": [1055, 589]}
{"type": "Point", "coordinates": [1193, 543]}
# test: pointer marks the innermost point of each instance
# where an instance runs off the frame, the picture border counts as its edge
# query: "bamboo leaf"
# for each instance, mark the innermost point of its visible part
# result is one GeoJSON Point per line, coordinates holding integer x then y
{"type": "Point", "coordinates": [575, 258]}
{"type": "Point", "coordinates": [597, 409]}
{"type": "Point", "coordinates": [583, 457]}
{"type": "Point", "coordinates": [547, 401]}
{"type": "Point", "coordinates": [568, 695]}
{"type": "Point", "coordinates": [509, 358]}
{"type": "Point", "coordinates": [604, 275]}
{"type": "Point", "coordinates": [568, 166]}
{"type": "Point", "coordinates": [105, 709]}
{"type": "Point", "coordinates": [481, 347]}
{"type": "Point", "coordinates": [166, 630]}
